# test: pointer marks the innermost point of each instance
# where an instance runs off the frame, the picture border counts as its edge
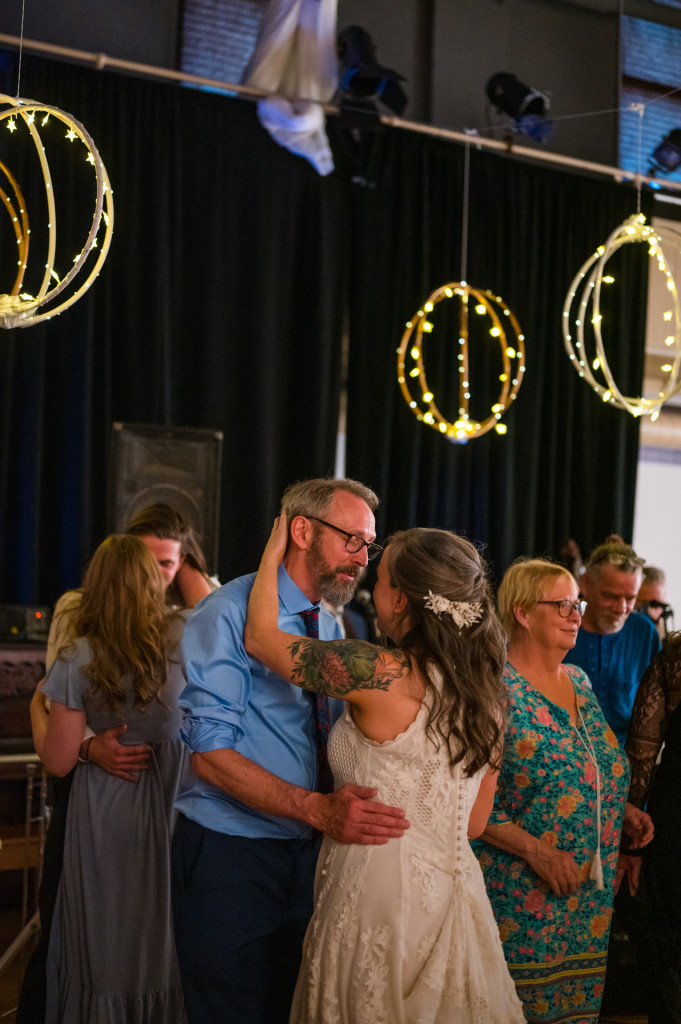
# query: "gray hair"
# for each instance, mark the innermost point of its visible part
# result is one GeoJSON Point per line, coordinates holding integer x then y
{"type": "Point", "coordinates": [651, 574]}
{"type": "Point", "coordinates": [622, 556]}
{"type": "Point", "coordinates": [313, 497]}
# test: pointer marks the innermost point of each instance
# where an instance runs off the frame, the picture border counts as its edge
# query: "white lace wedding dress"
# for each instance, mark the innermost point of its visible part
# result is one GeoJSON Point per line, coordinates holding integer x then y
{"type": "Point", "coordinates": [404, 933]}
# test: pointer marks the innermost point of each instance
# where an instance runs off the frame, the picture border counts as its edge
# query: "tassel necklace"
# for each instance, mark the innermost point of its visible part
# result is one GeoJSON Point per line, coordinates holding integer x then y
{"type": "Point", "coordinates": [596, 871]}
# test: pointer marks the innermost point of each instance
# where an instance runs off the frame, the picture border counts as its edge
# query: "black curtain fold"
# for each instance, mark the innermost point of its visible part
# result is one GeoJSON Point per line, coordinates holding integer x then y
{"type": "Point", "coordinates": [232, 271]}
{"type": "Point", "coordinates": [567, 466]}
{"type": "Point", "coordinates": [219, 305]}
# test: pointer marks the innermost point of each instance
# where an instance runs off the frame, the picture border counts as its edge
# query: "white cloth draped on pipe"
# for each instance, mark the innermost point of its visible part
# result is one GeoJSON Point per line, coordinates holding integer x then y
{"type": "Point", "coordinates": [295, 55]}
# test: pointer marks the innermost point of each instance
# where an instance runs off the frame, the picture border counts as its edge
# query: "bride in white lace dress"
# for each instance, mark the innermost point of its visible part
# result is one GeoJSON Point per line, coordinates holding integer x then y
{"type": "Point", "coordinates": [403, 933]}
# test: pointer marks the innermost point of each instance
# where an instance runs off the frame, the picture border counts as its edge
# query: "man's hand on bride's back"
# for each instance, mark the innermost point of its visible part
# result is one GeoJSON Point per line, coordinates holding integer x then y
{"type": "Point", "coordinates": [351, 815]}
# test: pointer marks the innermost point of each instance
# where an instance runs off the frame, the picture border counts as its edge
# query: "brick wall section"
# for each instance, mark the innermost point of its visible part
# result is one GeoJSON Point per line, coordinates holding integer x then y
{"type": "Point", "coordinates": [658, 120]}
{"type": "Point", "coordinates": [651, 68]}
{"type": "Point", "coordinates": [652, 52]}
{"type": "Point", "coordinates": [218, 36]}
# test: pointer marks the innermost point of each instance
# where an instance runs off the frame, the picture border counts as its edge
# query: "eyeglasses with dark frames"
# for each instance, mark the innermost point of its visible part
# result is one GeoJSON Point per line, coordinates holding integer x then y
{"type": "Point", "coordinates": [353, 543]}
{"type": "Point", "coordinates": [566, 608]}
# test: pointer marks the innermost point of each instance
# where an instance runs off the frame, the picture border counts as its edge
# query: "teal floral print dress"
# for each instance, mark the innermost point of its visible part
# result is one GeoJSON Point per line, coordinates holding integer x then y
{"type": "Point", "coordinates": [556, 946]}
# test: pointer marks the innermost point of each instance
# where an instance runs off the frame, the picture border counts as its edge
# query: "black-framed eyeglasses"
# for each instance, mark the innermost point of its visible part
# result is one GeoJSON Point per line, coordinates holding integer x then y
{"type": "Point", "coordinates": [566, 608]}
{"type": "Point", "coordinates": [353, 543]}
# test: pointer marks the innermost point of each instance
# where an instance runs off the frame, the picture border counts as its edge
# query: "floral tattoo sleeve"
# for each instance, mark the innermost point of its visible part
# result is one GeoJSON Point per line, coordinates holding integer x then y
{"type": "Point", "coordinates": [339, 667]}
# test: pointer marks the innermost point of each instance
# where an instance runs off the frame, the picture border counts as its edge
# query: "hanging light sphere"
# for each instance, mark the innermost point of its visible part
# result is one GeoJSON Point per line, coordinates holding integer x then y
{"type": "Point", "coordinates": [18, 308]}
{"type": "Point", "coordinates": [586, 289]}
{"type": "Point", "coordinates": [411, 371]}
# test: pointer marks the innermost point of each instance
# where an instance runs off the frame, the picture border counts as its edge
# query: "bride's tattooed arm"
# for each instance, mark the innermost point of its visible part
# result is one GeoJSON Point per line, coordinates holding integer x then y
{"type": "Point", "coordinates": [339, 667]}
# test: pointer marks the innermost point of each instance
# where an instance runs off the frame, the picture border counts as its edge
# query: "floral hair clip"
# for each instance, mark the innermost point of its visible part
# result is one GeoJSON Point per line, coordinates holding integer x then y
{"type": "Point", "coordinates": [463, 613]}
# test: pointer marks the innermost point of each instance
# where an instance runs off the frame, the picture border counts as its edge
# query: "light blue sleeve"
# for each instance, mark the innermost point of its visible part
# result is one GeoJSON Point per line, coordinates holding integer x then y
{"type": "Point", "coordinates": [66, 683]}
{"type": "Point", "coordinates": [217, 672]}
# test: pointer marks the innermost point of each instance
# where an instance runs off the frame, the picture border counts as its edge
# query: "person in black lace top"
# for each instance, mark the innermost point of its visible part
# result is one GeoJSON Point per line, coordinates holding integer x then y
{"type": "Point", "coordinates": [656, 720]}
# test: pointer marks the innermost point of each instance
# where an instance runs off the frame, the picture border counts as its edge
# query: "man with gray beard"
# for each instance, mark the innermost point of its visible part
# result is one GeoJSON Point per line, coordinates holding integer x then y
{"type": "Point", "coordinates": [246, 840]}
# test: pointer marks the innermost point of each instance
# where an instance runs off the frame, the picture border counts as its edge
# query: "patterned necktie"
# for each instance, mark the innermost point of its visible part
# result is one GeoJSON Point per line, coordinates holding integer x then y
{"type": "Point", "coordinates": [322, 718]}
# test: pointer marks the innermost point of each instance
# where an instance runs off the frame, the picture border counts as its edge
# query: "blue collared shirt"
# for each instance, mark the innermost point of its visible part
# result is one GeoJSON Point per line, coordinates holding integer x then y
{"type": "Point", "coordinates": [615, 663]}
{"type": "Point", "coordinates": [231, 701]}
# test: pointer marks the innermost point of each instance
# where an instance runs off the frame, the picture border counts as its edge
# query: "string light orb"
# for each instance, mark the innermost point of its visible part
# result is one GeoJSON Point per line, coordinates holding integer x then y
{"type": "Point", "coordinates": [19, 308]}
{"type": "Point", "coordinates": [586, 289]}
{"type": "Point", "coordinates": [411, 372]}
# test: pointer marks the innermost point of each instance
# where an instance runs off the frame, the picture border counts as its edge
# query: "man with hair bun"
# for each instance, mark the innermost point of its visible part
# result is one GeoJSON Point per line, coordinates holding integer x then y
{"type": "Point", "coordinates": [614, 645]}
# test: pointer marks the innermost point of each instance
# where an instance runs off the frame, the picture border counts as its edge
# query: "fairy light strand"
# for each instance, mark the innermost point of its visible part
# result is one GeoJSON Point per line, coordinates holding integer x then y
{"type": "Point", "coordinates": [464, 212]}
{"type": "Point", "coordinates": [21, 47]}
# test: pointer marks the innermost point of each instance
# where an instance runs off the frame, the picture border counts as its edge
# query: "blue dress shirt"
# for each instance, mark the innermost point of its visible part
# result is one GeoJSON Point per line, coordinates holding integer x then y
{"type": "Point", "coordinates": [615, 663]}
{"type": "Point", "coordinates": [233, 702]}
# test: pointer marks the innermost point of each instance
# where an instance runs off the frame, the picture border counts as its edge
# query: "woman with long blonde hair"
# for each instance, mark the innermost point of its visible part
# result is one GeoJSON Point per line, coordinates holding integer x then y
{"type": "Point", "coordinates": [111, 954]}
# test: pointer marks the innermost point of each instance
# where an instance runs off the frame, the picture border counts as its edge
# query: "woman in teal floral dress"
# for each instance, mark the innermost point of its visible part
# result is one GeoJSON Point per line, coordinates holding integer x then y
{"type": "Point", "coordinates": [549, 855]}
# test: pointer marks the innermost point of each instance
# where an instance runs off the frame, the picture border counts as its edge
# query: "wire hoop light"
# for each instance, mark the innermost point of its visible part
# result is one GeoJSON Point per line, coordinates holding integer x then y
{"type": "Point", "coordinates": [590, 279]}
{"type": "Point", "coordinates": [422, 401]}
{"type": "Point", "coordinates": [19, 308]}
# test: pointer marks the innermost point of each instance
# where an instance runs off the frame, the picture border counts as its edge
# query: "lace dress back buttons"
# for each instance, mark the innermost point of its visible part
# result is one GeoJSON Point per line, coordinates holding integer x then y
{"type": "Point", "coordinates": [404, 933]}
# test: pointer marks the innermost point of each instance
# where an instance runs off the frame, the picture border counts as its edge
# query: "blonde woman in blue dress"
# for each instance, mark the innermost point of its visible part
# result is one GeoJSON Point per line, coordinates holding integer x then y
{"type": "Point", "coordinates": [111, 954]}
{"type": "Point", "coordinates": [403, 932]}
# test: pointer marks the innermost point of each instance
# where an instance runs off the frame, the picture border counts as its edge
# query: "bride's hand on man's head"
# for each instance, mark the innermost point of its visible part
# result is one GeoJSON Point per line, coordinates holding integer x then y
{"type": "Point", "coordinates": [278, 540]}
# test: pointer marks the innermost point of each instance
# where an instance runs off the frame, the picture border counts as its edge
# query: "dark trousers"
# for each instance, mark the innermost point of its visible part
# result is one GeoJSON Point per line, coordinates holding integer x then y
{"type": "Point", "coordinates": [240, 909]}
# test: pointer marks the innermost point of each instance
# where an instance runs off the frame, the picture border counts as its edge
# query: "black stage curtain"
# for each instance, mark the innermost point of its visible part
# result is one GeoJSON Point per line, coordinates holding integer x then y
{"type": "Point", "coordinates": [222, 305]}
{"type": "Point", "coordinates": [219, 306]}
{"type": "Point", "coordinates": [567, 466]}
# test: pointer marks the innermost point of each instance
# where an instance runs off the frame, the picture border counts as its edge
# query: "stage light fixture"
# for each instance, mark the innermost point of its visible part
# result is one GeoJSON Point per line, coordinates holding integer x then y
{"type": "Point", "coordinates": [362, 77]}
{"type": "Point", "coordinates": [525, 105]}
{"type": "Point", "coordinates": [667, 156]}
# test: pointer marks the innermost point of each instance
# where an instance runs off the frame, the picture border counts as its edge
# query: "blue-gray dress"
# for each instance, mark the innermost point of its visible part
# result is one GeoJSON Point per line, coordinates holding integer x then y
{"type": "Point", "coordinates": [112, 956]}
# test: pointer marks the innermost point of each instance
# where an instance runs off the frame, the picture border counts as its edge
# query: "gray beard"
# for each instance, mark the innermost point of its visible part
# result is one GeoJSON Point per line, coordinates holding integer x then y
{"type": "Point", "coordinates": [333, 589]}
{"type": "Point", "coordinates": [336, 591]}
